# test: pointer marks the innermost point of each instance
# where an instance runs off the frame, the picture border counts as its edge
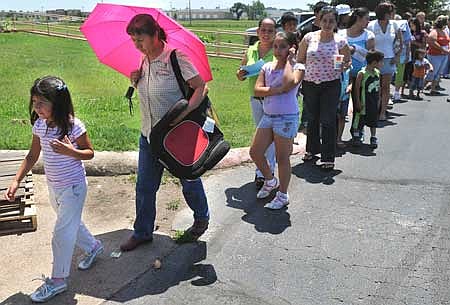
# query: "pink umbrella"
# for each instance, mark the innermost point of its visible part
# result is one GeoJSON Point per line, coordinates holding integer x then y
{"type": "Point", "coordinates": [105, 30]}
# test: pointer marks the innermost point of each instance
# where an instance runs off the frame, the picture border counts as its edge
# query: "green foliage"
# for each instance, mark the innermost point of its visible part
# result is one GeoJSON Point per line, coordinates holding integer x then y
{"type": "Point", "coordinates": [432, 8]}
{"type": "Point", "coordinates": [256, 10]}
{"type": "Point", "coordinates": [182, 237]}
{"type": "Point", "coordinates": [173, 205]}
{"type": "Point", "coordinates": [97, 92]}
{"type": "Point", "coordinates": [238, 9]}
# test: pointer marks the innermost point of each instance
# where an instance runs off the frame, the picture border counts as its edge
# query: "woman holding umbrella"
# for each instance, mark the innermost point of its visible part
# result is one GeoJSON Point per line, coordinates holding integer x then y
{"type": "Point", "coordinates": [158, 92]}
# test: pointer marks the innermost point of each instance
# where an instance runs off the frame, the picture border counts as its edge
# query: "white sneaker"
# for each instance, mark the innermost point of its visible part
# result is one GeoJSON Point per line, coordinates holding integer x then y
{"type": "Point", "coordinates": [47, 290]}
{"type": "Point", "coordinates": [87, 261]}
{"type": "Point", "coordinates": [266, 189]}
{"type": "Point", "coordinates": [278, 202]}
{"type": "Point", "coordinates": [397, 96]}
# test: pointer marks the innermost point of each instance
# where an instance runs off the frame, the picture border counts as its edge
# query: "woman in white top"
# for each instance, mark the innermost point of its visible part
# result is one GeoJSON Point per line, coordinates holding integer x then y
{"type": "Point", "coordinates": [387, 35]}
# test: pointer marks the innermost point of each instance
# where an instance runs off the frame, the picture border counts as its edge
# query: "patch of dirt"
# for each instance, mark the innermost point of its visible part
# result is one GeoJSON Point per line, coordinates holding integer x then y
{"type": "Point", "coordinates": [111, 201]}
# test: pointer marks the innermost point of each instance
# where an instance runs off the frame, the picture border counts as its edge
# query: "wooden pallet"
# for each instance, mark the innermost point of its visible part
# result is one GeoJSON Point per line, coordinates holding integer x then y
{"type": "Point", "coordinates": [19, 216]}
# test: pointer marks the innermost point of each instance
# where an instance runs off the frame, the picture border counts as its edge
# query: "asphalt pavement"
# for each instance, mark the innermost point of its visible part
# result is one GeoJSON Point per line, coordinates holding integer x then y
{"type": "Point", "coordinates": [373, 231]}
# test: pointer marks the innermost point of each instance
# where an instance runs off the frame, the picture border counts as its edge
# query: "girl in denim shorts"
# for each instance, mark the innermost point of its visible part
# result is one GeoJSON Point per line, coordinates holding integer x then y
{"type": "Point", "coordinates": [278, 84]}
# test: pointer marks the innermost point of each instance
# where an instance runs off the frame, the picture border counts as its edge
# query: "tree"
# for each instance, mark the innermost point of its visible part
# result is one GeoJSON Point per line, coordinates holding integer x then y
{"type": "Point", "coordinates": [256, 10]}
{"type": "Point", "coordinates": [238, 9]}
{"type": "Point", "coordinates": [432, 8]}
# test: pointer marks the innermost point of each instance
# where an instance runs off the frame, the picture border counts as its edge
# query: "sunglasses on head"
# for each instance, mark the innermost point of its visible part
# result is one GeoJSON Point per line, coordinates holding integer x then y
{"type": "Point", "coordinates": [328, 8]}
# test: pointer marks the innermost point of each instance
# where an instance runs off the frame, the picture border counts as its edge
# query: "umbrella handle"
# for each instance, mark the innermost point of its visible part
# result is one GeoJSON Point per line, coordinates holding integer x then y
{"type": "Point", "coordinates": [129, 95]}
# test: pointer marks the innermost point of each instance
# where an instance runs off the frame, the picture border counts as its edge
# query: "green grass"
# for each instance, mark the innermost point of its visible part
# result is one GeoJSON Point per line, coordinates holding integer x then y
{"type": "Point", "coordinates": [97, 92]}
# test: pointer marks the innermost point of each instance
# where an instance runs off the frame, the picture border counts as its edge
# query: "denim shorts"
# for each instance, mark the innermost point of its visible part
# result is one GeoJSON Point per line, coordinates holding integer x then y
{"type": "Point", "coordinates": [284, 125]}
{"type": "Point", "coordinates": [388, 68]}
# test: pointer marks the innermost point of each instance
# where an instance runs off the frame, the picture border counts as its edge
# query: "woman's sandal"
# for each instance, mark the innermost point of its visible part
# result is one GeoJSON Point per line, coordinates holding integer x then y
{"type": "Point", "coordinates": [308, 157]}
{"type": "Point", "coordinates": [327, 165]}
{"type": "Point", "coordinates": [340, 144]}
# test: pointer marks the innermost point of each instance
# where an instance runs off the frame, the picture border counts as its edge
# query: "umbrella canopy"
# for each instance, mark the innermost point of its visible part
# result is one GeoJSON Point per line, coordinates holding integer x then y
{"type": "Point", "coordinates": [105, 30]}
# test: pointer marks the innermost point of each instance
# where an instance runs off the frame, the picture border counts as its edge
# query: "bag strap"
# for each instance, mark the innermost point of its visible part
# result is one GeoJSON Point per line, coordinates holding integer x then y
{"type": "Point", "coordinates": [185, 89]}
{"type": "Point", "coordinates": [176, 69]}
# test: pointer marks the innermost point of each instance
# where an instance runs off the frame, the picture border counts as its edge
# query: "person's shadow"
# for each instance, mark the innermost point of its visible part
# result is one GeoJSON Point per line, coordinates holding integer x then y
{"type": "Point", "coordinates": [362, 150]}
{"type": "Point", "coordinates": [312, 173]}
{"type": "Point", "coordinates": [264, 220]}
{"type": "Point", "coordinates": [132, 275]}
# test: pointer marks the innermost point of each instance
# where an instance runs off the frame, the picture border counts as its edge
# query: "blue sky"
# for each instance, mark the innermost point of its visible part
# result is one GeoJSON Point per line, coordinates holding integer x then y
{"type": "Point", "coordinates": [88, 5]}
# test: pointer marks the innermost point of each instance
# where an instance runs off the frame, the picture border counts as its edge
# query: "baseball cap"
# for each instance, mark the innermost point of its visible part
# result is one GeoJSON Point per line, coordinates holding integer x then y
{"type": "Point", "coordinates": [343, 9]}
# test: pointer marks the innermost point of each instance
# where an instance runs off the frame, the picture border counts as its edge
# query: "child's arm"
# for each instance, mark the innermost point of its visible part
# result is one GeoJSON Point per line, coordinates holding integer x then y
{"type": "Point", "coordinates": [65, 147]}
{"type": "Point", "coordinates": [357, 95]}
{"type": "Point", "coordinates": [25, 167]}
{"type": "Point", "coordinates": [261, 90]}
{"type": "Point", "coordinates": [349, 88]}
{"type": "Point", "coordinates": [347, 57]}
{"type": "Point", "coordinates": [240, 74]}
{"type": "Point", "coordinates": [292, 77]}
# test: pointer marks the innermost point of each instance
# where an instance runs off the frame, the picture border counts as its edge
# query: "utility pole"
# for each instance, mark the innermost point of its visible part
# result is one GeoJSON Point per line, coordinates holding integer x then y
{"type": "Point", "coordinates": [190, 14]}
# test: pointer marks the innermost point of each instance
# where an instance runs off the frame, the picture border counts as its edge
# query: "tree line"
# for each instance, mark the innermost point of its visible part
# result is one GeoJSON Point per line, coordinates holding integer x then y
{"type": "Point", "coordinates": [432, 8]}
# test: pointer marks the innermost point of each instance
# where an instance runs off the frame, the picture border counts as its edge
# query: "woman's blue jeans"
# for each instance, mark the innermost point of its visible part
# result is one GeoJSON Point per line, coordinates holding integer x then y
{"type": "Point", "coordinates": [148, 180]}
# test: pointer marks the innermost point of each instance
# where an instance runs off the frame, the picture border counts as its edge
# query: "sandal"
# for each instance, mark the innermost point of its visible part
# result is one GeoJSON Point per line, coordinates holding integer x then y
{"type": "Point", "coordinates": [308, 157]}
{"type": "Point", "coordinates": [327, 165]}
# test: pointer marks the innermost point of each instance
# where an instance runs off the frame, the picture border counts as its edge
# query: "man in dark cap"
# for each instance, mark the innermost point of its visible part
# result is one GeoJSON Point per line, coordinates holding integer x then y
{"type": "Point", "coordinates": [315, 26]}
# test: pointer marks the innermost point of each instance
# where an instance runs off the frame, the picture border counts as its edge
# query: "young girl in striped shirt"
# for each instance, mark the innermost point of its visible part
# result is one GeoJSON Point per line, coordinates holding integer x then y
{"type": "Point", "coordinates": [63, 140]}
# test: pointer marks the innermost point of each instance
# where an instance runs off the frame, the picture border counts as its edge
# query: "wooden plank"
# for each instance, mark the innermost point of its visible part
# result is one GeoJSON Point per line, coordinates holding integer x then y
{"type": "Point", "coordinates": [4, 184]}
{"type": "Point", "coordinates": [18, 227]}
{"type": "Point", "coordinates": [27, 178]}
{"type": "Point", "coordinates": [19, 216]}
{"type": "Point", "coordinates": [7, 169]}
{"type": "Point", "coordinates": [12, 154]}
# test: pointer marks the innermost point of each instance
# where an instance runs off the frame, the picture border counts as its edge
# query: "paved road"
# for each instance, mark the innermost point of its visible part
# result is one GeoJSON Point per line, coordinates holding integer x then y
{"type": "Point", "coordinates": [375, 231]}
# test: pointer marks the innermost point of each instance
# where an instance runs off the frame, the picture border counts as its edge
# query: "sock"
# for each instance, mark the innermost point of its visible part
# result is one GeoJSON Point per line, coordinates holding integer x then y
{"type": "Point", "coordinates": [272, 182]}
{"type": "Point", "coordinates": [58, 280]}
{"type": "Point", "coordinates": [283, 196]}
{"type": "Point", "coordinates": [96, 245]}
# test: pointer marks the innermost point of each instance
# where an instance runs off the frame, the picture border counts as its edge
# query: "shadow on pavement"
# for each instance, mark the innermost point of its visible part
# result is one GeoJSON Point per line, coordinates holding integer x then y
{"type": "Point", "coordinates": [110, 276]}
{"type": "Point", "coordinates": [180, 266]}
{"type": "Point", "coordinates": [312, 173]}
{"type": "Point", "coordinates": [264, 220]}
{"type": "Point", "coordinates": [362, 150]}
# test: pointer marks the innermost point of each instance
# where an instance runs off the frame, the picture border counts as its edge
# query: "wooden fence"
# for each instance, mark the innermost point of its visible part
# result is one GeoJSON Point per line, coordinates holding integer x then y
{"type": "Point", "coordinates": [225, 44]}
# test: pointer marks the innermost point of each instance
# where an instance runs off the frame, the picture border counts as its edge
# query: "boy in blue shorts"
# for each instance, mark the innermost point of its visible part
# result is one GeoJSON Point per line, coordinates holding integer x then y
{"type": "Point", "coordinates": [367, 98]}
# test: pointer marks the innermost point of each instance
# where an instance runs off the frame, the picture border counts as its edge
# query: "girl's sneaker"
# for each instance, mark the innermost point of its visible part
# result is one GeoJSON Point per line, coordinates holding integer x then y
{"type": "Point", "coordinates": [373, 142]}
{"type": "Point", "coordinates": [267, 188]}
{"type": "Point", "coordinates": [280, 201]}
{"type": "Point", "coordinates": [47, 290]}
{"type": "Point", "coordinates": [87, 261]}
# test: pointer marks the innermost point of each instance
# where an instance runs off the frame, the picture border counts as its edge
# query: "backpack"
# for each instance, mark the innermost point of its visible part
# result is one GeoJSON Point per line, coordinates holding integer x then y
{"type": "Point", "coordinates": [195, 144]}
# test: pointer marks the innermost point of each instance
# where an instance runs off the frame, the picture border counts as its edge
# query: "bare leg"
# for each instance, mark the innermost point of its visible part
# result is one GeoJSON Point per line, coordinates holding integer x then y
{"type": "Point", "coordinates": [262, 139]}
{"type": "Point", "coordinates": [283, 148]}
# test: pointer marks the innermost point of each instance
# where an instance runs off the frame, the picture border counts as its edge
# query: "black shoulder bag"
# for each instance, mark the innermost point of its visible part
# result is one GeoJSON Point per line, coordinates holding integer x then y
{"type": "Point", "coordinates": [194, 145]}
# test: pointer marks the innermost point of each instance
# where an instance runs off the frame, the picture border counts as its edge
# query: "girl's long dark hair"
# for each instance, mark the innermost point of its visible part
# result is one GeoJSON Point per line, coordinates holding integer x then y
{"type": "Point", "coordinates": [417, 24]}
{"type": "Point", "coordinates": [357, 13]}
{"type": "Point", "coordinates": [54, 90]}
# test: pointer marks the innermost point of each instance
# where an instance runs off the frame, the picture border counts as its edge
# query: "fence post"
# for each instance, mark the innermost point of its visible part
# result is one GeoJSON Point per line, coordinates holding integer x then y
{"type": "Point", "coordinates": [217, 43]}
{"type": "Point", "coordinates": [48, 28]}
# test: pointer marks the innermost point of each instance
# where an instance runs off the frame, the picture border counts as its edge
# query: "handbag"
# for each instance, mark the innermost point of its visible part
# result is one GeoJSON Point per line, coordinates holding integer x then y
{"type": "Point", "coordinates": [193, 146]}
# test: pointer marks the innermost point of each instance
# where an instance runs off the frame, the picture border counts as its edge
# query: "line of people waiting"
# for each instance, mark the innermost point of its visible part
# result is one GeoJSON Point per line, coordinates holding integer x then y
{"type": "Point", "coordinates": [339, 57]}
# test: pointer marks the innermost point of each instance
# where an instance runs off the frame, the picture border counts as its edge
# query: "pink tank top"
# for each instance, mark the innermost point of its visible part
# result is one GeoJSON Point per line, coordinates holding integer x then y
{"type": "Point", "coordinates": [319, 57]}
